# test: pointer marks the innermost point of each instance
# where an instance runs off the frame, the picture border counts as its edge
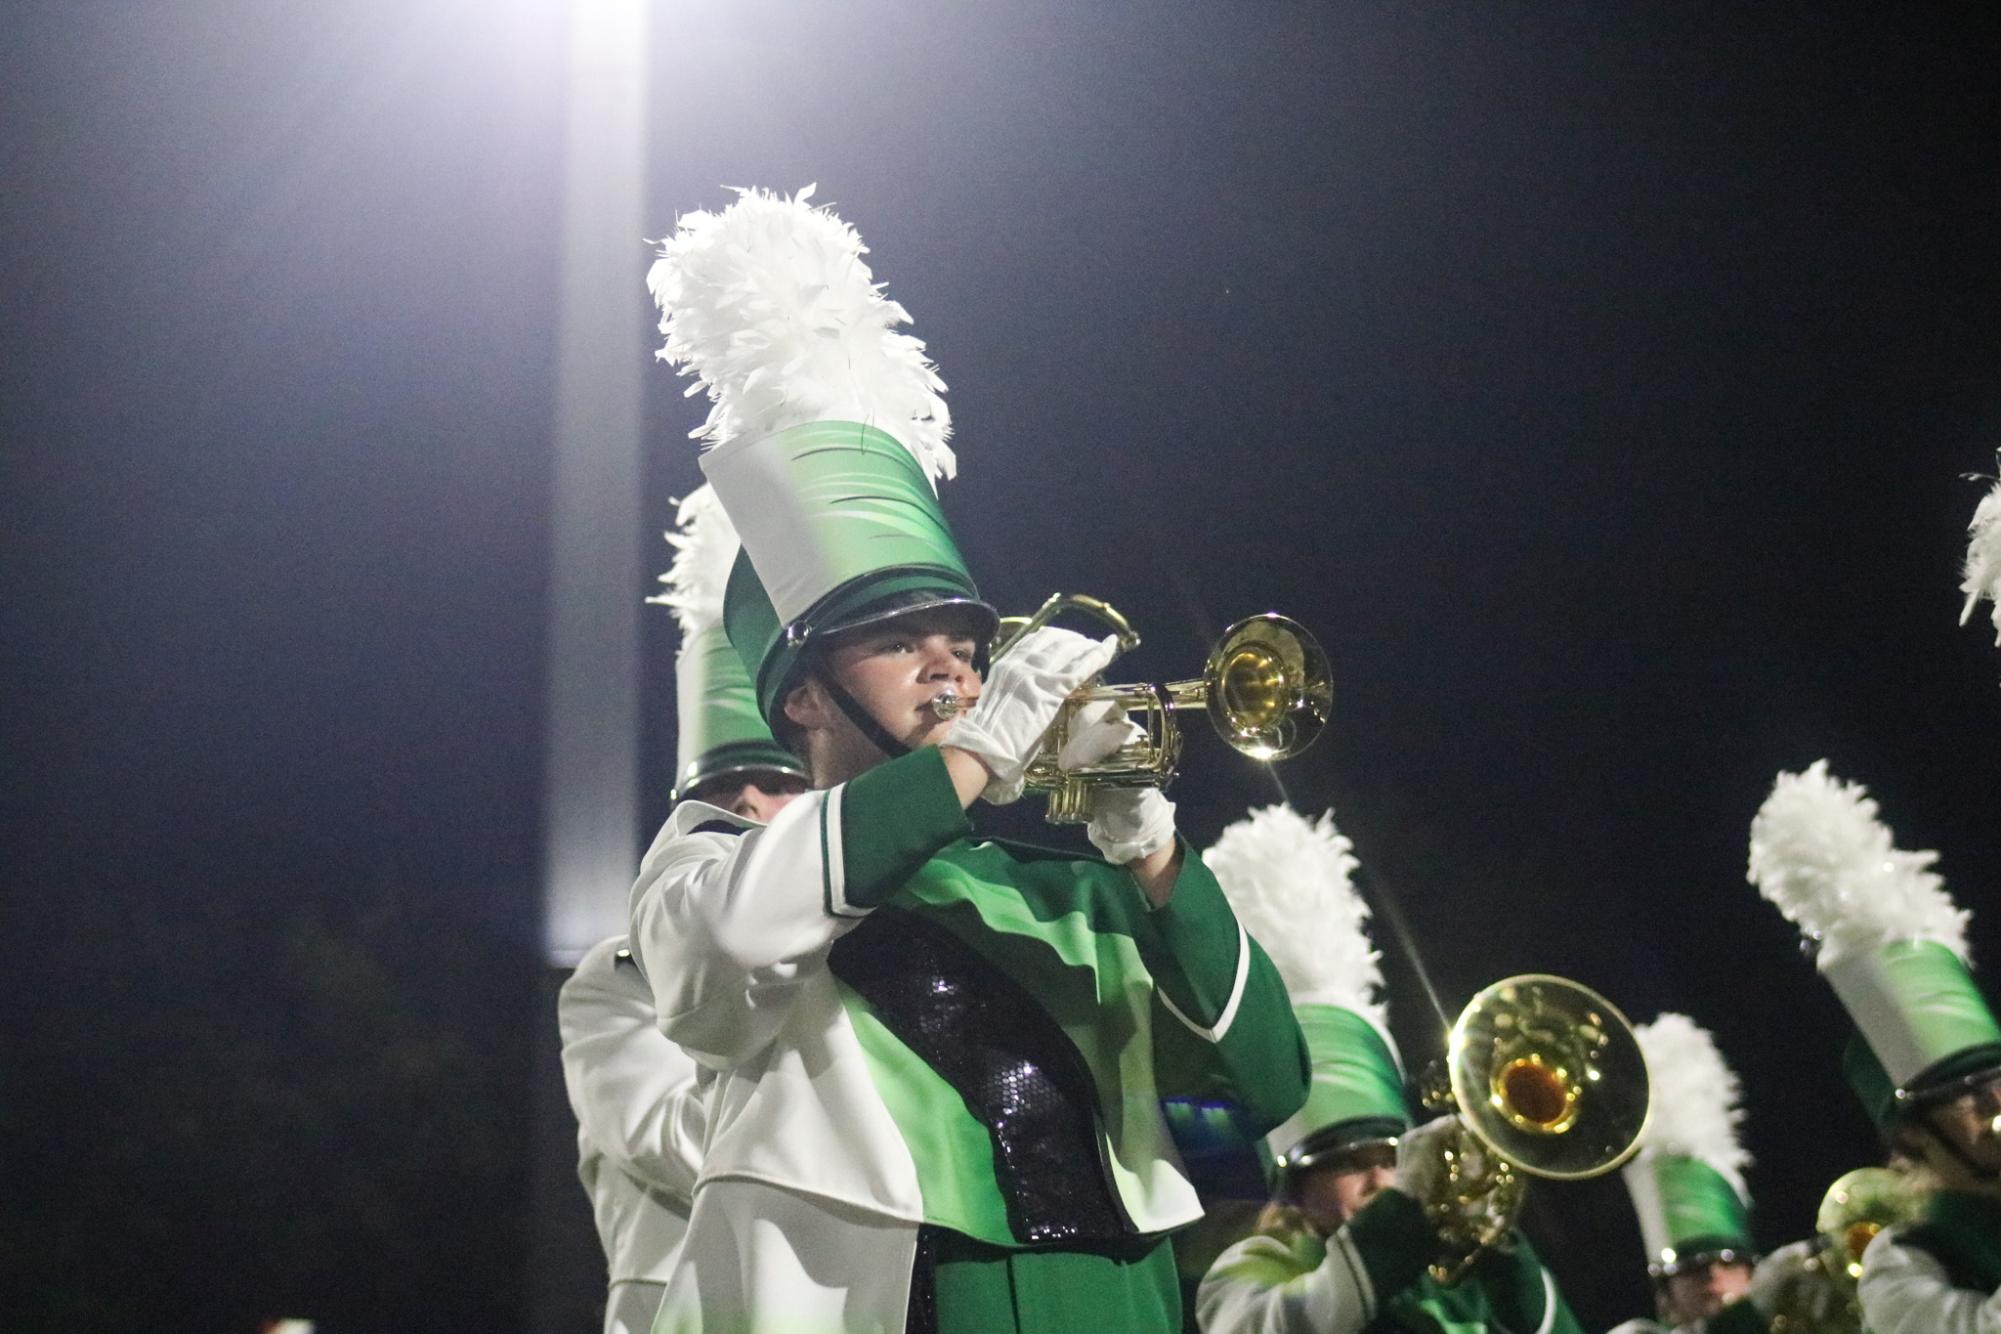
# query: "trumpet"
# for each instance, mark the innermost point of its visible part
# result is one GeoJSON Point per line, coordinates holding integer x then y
{"type": "Point", "coordinates": [1267, 690]}
{"type": "Point", "coordinates": [1547, 1080]}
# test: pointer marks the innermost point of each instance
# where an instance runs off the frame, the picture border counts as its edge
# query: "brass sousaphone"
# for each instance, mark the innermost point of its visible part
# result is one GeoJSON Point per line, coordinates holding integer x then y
{"type": "Point", "coordinates": [1267, 690]}
{"type": "Point", "coordinates": [1547, 1080]}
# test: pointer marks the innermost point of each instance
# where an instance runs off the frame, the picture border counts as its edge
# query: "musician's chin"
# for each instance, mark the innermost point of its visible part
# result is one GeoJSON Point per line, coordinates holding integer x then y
{"type": "Point", "coordinates": [930, 731]}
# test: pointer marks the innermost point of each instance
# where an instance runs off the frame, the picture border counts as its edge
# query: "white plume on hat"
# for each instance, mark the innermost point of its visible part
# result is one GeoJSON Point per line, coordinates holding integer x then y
{"type": "Point", "coordinates": [1819, 852]}
{"type": "Point", "coordinates": [705, 546]}
{"type": "Point", "coordinates": [1290, 880]}
{"type": "Point", "coordinates": [1696, 1112]}
{"type": "Point", "coordinates": [1983, 560]}
{"type": "Point", "coordinates": [769, 306]}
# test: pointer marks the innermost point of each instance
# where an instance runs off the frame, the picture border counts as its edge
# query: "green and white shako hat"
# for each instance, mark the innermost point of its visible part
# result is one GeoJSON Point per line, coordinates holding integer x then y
{"type": "Point", "coordinates": [721, 733]}
{"type": "Point", "coordinates": [1886, 935]}
{"type": "Point", "coordinates": [840, 528]}
{"type": "Point", "coordinates": [1290, 881]}
{"type": "Point", "coordinates": [1687, 1180]}
{"type": "Point", "coordinates": [827, 429]}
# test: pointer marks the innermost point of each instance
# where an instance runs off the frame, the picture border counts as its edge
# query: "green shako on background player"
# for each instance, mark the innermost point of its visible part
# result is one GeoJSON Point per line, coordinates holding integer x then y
{"type": "Point", "coordinates": [1926, 1056]}
{"type": "Point", "coordinates": [1345, 1244]}
{"type": "Point", "coordinates": [939, 1062]}
{"type": "Point", "coordinates": [721, 738]}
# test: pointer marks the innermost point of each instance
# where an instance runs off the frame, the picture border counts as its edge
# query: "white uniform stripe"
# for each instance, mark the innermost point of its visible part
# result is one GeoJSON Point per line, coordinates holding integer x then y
{"type": "Point", "coordinates": [1229, 1015]}
{"type": "Point", "coordinates": [833, 868]}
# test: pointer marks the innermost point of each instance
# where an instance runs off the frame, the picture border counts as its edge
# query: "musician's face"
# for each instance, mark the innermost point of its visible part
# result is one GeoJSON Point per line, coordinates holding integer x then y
{"type": "Point", "coordinates": [759, 798]}
{"type": "Point", "coordinates": [1335, 1189]}
{"type": "Point", "coordinates": [1700, 1291]}
{"type": "Point", "coordinates": [1971, 1123]}
{"type": "Point", "coordinates": [895, 671]}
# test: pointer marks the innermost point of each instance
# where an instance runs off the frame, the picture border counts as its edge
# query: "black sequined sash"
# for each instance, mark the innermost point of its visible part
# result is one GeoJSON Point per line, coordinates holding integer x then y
{"type": "Point", "coordinates": [1019, 1073]}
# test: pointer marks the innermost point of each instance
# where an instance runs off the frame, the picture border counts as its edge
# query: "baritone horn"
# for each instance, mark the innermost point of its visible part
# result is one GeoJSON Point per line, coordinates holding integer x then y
{"type": "Point", "coordinates": [1858, 1206]}
{"type": "Point", "coordinates": [1266, 688]}
{"type": "Point", "coordinates": [1546, 1079]}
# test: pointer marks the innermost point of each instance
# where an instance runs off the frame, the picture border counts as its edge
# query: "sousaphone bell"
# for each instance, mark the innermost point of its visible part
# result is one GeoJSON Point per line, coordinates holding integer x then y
{"type": "Point", "coordinates": [1547, 1080]}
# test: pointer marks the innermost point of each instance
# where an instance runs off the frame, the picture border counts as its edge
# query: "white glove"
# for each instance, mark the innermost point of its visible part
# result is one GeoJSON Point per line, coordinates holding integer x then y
{"type": "Point", "coordinates": [1127, 823]}
{"type": "Point", "coordinates": [1020, 699]}
{"type": "Point", "coordinates": [1772, 1276]}
{"type": "Point", "coordinates": [1097, 730]}
{"type": "Point", "coordinates": [1421, 1157]}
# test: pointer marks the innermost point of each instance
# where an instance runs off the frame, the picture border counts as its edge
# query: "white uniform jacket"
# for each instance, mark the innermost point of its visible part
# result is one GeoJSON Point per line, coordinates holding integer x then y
{"type": "Point", "coordinates": [1905, 1290]}
{"type": "Point", "coordinates": [808, 1205]}
{"type": "Point", "coordinates": [637, 1098]}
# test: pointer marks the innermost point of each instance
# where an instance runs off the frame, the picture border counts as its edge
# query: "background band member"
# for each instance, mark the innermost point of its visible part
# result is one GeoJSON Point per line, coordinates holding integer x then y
{"type": "Point", "coordinates": [1926, 1059]}
{"type": "Point", "coordinates": [1687, 1187]}
{"type": "Point", "coordinates": [939, 1062]}
{"type": "Point", "coordinates": [1347, 1241]}
{"type": "Point", "coordinates": [637, 1096]}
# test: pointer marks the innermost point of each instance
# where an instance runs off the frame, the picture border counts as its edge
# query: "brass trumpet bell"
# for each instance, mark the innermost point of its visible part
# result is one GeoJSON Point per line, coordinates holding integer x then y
{"type": "Point", "coordinates": [1267, 689]}
{"type": "Point", "coordinates": [1548, 1075]}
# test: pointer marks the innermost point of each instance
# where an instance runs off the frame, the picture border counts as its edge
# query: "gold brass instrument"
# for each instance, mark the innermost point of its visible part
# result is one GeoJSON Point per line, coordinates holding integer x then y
{"type": "Point", "coordinates": [1856, 1207]}
{"type": "Point", "coordinates": [1815, 1292]}
{"type": "Point", "coordinates": [1547, 1079]}
{"type": "Point", "coordinates": [1267, 689]}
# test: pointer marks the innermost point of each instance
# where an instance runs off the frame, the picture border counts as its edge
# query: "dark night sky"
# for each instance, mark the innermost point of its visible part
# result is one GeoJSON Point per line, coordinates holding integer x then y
{"type": "Point", "coordinates": [1595, 379]}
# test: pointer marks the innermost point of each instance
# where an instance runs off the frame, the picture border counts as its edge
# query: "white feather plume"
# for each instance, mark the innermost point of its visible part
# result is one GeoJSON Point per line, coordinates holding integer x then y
{"type": "Point", "coordinates": [1290, 880]}
{"type": "Point", "coordinates": [705, 546]}
{"type": "Point", "coordinates": [1983, 560]}
{"type": "Point", "coordinates": [769, 306]}
{"type": "Point", "coordinates": [1819, 852]}
{"type": "Point", "coordinates": [1696, 1113]}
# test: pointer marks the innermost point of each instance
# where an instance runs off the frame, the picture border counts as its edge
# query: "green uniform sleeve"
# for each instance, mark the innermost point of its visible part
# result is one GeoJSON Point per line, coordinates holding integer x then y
{"type": "Point", "coordinates": [1395, 1241]}
{"type": "Point", "coordinates": [1229, 1036]}
{"type": "Point", "coordinates": [1518, 1290]}
{"type": "Point", "coordinates": [893, 818]}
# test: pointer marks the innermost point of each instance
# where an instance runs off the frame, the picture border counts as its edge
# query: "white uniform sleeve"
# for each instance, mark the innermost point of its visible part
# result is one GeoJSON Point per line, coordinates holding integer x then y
{"type": "Point", "coordinates": [1262, 1286]}
{"type": "Point", "coordinates": [635, 1094]}
{"type": "Point", "coordinates": [1906, 1291]}
{"type": "Point", "coordinates": [723, 923]}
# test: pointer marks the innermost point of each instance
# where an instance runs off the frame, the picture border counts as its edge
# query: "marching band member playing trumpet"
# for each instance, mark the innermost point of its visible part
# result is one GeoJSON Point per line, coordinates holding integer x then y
{"type": "Point", "coordinates": [938, 1061]}
{"type": "Point", "coordinates": [1926, 1057]}
{"type": "Point", "coordinates": [1347, 1243]}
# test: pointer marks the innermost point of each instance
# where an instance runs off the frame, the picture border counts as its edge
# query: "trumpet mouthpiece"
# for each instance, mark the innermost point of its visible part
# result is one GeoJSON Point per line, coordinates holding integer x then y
{"type": "Point", "coordinates": [947, 704]}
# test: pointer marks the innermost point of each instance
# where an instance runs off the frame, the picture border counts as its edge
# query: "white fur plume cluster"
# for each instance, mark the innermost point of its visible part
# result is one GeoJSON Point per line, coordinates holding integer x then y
{"type": "Point", "coordinates": [769, 306]}
{"type": "Point", "coordinates": [1695, 1097]}
{"type": "Point", "coordinates": [1290, 880]}
{"type": "Point", "coordinates": [1983, 560]}
{"type": "Point", "coordinates": [1820, 854]}
{"type": "Point", "coordinates": [705, 546]}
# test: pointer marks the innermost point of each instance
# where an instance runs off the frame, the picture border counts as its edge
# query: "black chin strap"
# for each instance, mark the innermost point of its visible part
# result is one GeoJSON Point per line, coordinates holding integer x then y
{"type": "Point", "coordinates": [863, 720]}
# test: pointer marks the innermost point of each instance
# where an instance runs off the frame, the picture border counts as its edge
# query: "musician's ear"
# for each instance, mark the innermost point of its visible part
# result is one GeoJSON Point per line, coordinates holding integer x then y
{"type": "Point", "coordinates": [808, 706]}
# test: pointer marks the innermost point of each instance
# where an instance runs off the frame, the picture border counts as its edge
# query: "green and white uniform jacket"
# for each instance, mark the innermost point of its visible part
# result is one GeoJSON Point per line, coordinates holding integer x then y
{"type": "Point", "coordinates": [911, 1028]}
{"type": "Point", "coordinates": [1373, 1275]}
{"type": "Point", "coordinates": [1938, 1276]}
